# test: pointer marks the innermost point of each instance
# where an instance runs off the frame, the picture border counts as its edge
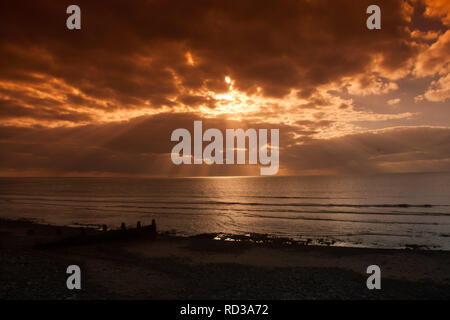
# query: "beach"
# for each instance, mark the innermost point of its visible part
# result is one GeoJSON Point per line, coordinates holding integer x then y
{"type": "Point", "coordinates": [34, 258]}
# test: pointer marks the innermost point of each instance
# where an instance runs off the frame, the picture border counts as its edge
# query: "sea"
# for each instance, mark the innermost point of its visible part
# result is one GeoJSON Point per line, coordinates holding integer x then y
{"type": "Point", "coordinates": [410, 210]}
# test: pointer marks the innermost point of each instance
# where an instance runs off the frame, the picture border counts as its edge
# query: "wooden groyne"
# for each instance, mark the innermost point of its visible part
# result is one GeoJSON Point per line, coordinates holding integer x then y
{"type": "Point", "coordinates": [90, 236]}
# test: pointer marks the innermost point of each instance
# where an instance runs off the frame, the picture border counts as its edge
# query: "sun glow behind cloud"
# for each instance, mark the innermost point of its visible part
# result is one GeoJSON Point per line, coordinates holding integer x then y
{"type": "Point", "coordinates": [318, 80]}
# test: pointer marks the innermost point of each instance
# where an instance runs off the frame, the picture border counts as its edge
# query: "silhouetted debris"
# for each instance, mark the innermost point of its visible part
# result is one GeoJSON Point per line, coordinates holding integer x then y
{"type": "Point", "coordinates": [416, 247]}
{"type": "Point", "coordinates": [89, 236]}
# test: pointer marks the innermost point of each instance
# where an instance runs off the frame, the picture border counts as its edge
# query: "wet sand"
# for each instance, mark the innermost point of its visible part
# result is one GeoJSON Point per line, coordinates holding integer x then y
{"type": "Point", "coordinates": [34, 258]}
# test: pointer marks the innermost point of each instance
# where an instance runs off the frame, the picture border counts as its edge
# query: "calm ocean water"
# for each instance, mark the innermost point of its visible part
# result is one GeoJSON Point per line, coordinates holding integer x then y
{"type": "Point", "coordinates": [389, 211]}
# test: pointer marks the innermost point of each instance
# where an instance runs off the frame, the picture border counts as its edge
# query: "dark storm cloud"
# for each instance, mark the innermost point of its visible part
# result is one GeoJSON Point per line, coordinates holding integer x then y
{"type": "Point", "coordinates": [138, 147]}
{"type": "Point", "coordinates": [135, 51]}
{"type": "Point", "coordinates": [407, 149]}
{"type": "Point", "coordinates": [142, 147]}
{"type": "Point", "coordinates": [154, 56]}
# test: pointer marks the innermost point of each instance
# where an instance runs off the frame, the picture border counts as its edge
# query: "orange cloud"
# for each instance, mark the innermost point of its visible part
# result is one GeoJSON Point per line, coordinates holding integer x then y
{"type": "Point", "coordinates": [310, 68]}
{"type": "Point", "coordinates": [438, 9]}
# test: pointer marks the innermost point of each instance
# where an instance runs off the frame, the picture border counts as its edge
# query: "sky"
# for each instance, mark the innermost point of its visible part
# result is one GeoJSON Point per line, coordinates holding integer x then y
{"type": "Point", "coordinates": [103, 100]}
